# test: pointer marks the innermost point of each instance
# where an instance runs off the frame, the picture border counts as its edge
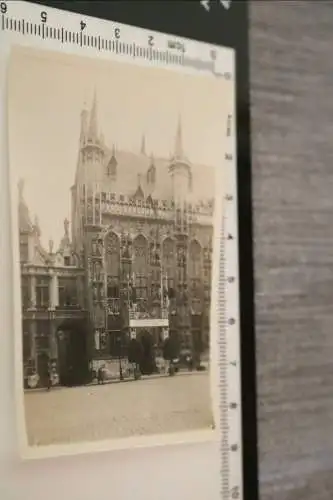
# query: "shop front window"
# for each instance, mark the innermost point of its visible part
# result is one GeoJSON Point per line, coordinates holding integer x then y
{"type": "Point", "coordinates": [42, 292]}
{"type": "Point", "coordinates": [67, 292]}
{"type": "Point", "coordinates": [25, 292]}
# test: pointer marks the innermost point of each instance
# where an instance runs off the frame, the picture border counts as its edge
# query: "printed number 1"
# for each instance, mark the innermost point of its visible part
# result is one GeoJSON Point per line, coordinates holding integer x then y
{"type": "Point", "coordinates": [3, 7]}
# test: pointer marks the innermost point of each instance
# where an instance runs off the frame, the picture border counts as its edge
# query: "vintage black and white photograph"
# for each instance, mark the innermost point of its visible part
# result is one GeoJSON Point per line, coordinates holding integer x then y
{"type": "Point", "coordinates": [117, 169]}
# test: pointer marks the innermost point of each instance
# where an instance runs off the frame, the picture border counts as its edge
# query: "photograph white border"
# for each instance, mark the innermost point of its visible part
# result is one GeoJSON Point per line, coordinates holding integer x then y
{"type": "Point", "coordinates": [8, 40]}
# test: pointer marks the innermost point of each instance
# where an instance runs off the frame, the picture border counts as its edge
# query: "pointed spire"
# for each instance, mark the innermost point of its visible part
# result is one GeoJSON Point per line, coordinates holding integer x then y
{"type": "Point", "coordinates": [143, 145]}
{"type": "Point", "coordinates": [36, 227]}
{"type": "Point", "coordinates": [25, 223]}
{"type": "Point", "coordinates": [113, 150]}
{"type": "Point", "coordinates": [66, 226]}
{"type": "Point", "coordinates": [51, 244]}
{"type": "Point", "coordinates": [179, 140]}
{"type": "Point", "coordinates": [151, 172]}
{"type": "Point", "coordinates": [92, 131]}
{"type": "Point", "coordinates": [139, 194]}
{"type": "Point", "coordinates": [84, 124]}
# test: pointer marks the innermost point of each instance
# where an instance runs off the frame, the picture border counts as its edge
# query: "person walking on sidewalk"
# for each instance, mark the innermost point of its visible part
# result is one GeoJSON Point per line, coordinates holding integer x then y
{"type": "Point", "coordinates": [49, 376]}
{"type": "Point", "coordinates": [101, 375]}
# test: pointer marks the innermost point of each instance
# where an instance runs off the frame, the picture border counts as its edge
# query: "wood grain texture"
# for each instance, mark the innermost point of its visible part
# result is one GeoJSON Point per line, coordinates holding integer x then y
{"type": "Point", "coordinates": [292, 137]}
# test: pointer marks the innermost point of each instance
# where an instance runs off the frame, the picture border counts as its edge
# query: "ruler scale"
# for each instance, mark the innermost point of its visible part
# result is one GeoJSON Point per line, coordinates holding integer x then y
{"type": "Point", "coordinates": [38, 26]}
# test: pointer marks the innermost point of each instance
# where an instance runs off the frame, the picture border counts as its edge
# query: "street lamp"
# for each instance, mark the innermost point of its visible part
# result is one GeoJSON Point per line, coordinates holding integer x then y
{"type": "Point", "coordinates": [121, 375]}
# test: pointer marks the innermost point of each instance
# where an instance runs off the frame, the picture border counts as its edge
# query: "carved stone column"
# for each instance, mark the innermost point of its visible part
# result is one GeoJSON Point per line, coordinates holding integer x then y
{"type": "Point", "coordinates": [80, 291]}
{"type": "Point", "coordinates": [33, 292]}
{"type": "Point", "coordinates": [54, 292]}
{"type": "Point", "coordinates": [33, 350]}
{"type": "Point", "coordinates": [97, 340]}
{"type": "Point", "coordinates": [165, 333]}
{"type": "Point", "coordinates": [53, 340]}
{"type": "Point", "coordinates": [31, 247]}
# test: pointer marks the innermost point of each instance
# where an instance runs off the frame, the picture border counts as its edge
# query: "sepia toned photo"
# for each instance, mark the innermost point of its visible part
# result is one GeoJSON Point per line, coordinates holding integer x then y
{"type": "Point", "coordinates": [116, 171]}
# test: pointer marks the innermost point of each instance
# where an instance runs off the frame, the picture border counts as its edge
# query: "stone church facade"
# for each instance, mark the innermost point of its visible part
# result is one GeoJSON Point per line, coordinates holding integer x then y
{"type": "Point", "coordinates": [138, 257]}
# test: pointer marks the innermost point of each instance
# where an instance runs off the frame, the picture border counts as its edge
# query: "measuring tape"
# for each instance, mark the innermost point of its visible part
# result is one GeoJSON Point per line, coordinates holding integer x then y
{"type": "Point", "coordinates": [40, 27]}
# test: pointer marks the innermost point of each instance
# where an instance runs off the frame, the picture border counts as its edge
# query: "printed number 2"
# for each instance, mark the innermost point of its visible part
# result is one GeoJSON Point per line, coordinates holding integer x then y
{"type": "Point", "coordinates": [151, 41]}
{"type": "Point", "coordinates": [3, 7]}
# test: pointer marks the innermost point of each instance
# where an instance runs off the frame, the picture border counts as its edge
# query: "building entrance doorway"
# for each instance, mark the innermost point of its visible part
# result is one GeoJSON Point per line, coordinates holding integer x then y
{"type": "Point", "coordinates": [147, 362]}
{"type": "Point", "coordinates": [73, 356]}
{"type": "Point", "coordinates": [43, 367]}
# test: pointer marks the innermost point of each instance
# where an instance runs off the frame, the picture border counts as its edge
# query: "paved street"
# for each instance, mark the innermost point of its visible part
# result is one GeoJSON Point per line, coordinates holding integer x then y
{"type": "Point", "coordinates": [150, 406]}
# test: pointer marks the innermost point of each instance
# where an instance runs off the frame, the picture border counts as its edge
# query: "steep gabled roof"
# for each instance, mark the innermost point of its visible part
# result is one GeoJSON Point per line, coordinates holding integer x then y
{"type": "Point", "coordinates": [139, 194]}
{"type": "Point", "coordinates": [131, 165]}
{"type": "Point", "coordinates": [41, 256]}
{"type": "Point", "coordinates": [65, 243]}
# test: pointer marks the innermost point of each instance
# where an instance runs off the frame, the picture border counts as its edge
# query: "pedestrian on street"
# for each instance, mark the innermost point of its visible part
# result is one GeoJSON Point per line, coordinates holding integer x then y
{"type": "Point", "coordinates": [49, 377]}
{"type": "Point", "coordinates": [100, 375]}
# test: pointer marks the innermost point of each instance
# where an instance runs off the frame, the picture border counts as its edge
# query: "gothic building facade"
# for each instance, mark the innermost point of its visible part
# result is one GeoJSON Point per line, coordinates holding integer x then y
{"type": "Point", "coordinates": [139, 258]}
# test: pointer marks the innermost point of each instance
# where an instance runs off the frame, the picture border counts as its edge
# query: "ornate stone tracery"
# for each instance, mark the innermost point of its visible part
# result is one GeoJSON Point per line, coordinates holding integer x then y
{"type": "Point", "coordinates": [140, 261]}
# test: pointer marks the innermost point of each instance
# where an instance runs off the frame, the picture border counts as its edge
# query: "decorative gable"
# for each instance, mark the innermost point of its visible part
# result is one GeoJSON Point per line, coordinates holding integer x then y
{"type": "Point", "coordinates": [65, 256]}
{"type": "Point", "coordinates": [139, 194]}
{"type": "Point", "coordinates": [39, 257]}
{"type": "Point", "coordinates": [111, 169]}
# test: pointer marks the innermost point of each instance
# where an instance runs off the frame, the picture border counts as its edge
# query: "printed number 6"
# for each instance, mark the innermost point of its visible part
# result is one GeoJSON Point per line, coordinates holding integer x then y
{"type": "Point", "coordinates": [3, 7]}
{"type": "Point", "coordinates": [117, 32]}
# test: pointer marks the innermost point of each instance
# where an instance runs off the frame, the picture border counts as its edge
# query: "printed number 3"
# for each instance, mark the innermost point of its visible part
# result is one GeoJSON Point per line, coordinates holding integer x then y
{"type": "Point", "coordinates": [3, 8]}
{"type": "Point", "coordinates": [117, 32]}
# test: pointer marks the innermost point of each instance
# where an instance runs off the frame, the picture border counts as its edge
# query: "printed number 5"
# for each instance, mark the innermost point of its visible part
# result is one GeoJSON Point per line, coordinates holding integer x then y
{"type": "Point", "coordinates": [3, 7]}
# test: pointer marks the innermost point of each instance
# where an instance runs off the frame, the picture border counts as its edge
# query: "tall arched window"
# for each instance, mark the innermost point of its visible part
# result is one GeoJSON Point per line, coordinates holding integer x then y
{"type": "Point", "coordinates": [195, 274]}
{"type": "Point", "coordinates": [112, 264]}
{"type": "Point", "coordinates": [195, 265]}
{"type": "Point", "coordinates": [169, 261]}
{"type": "Point", "coordinates": [140, 266]}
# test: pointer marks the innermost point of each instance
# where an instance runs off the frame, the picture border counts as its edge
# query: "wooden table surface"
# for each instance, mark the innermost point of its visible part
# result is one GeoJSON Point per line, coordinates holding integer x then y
{"type": "Point", "coordinates": [292, 137]}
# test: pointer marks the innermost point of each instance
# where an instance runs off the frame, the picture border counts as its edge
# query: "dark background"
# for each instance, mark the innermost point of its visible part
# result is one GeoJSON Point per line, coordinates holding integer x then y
{"type": "Point", "coordinates": [292, 132]}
